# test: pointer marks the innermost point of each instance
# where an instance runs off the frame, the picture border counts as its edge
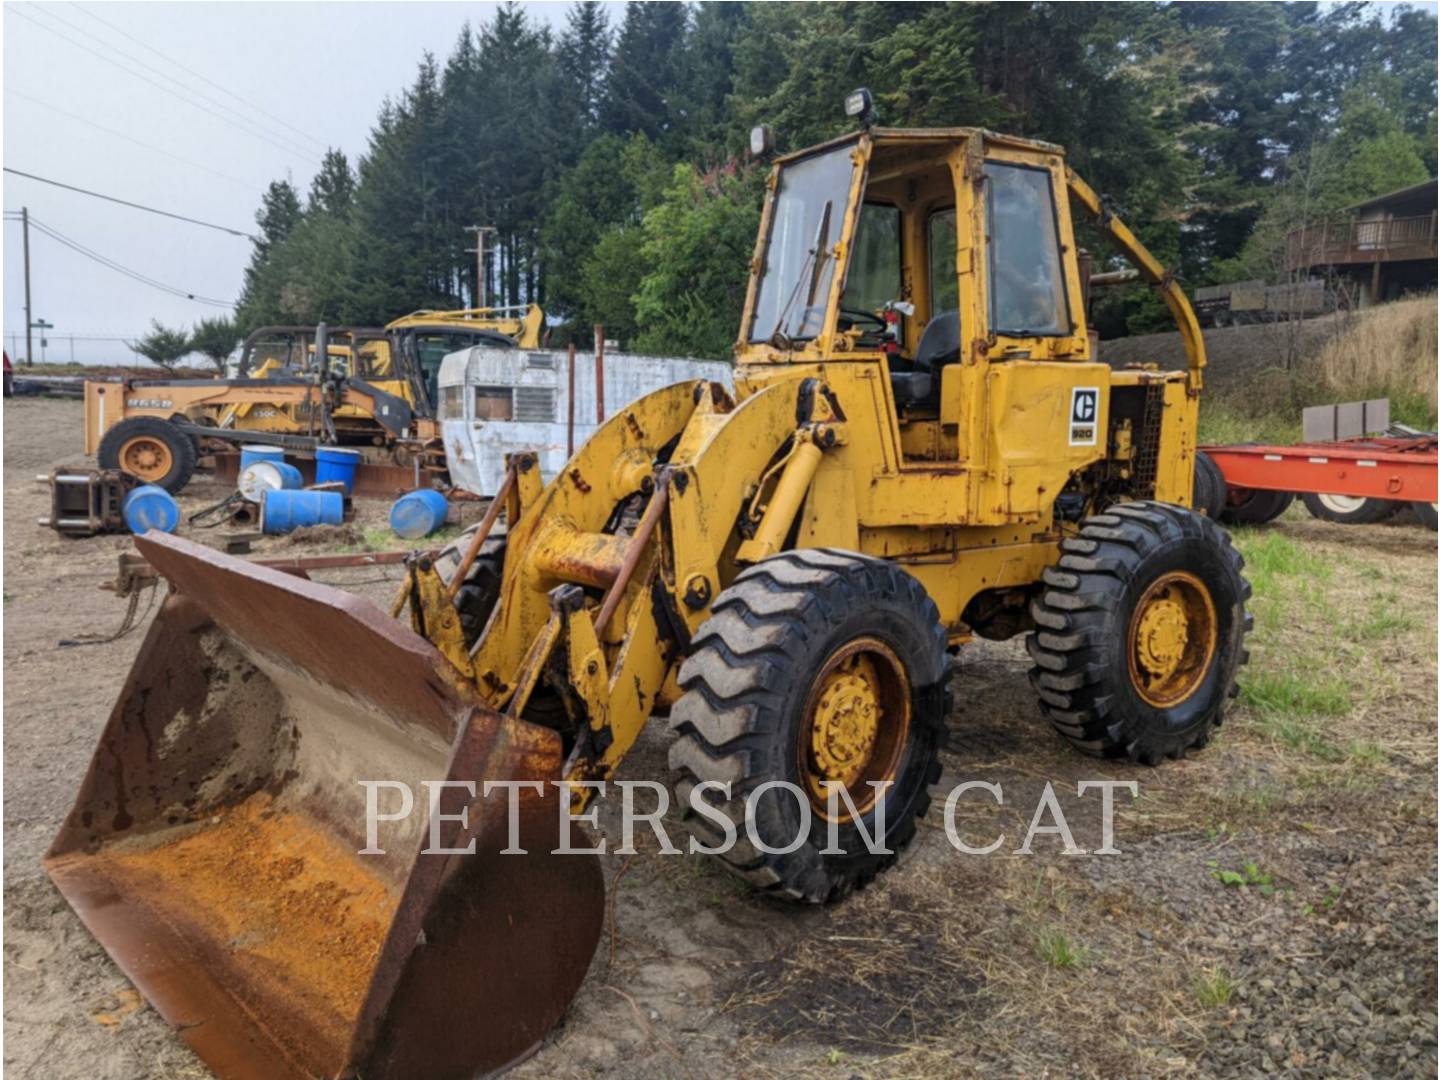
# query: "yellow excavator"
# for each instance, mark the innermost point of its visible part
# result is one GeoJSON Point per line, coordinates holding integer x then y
{"type": "Point", "coordinates": [301, 387]}
{"type": "Point", "coordinates": [921, 448]}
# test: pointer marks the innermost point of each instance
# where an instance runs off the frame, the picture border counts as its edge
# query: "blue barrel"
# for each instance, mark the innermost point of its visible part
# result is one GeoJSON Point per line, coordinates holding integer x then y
{"type": "Point", "coordinates": [263, 476]}
{"type": "Point", "coordinates": [150, 507]}
{"type": "Point", "coordinates": [332, 465]}
{"type": "Point", "coordinates": [285, 509]}
{"type": "Point", "coordinates": [418, 513]}
{"type": "Point", "coordinates": [253, 452]}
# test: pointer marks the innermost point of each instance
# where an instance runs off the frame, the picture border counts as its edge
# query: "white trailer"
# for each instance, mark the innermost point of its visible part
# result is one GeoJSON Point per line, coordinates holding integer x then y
{"type": "Point", "coordinates": [495, 402]}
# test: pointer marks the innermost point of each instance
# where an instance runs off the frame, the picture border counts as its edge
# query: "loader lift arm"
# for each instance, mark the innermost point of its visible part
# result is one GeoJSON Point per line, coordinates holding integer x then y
{"type": "Point", "coordinates": [1153, 272]}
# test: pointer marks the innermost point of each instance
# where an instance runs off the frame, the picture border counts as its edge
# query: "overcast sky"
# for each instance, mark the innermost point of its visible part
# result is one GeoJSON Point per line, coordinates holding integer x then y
{"type": "Point", "coordinates": [320, 70]}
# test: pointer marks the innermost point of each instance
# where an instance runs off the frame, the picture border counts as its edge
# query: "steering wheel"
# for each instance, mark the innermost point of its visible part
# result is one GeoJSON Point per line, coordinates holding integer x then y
{"type": "Point", "coordinates": [854, 314]}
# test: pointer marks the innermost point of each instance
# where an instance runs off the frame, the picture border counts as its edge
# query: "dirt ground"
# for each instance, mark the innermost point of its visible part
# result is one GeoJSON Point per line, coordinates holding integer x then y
{"type": "Point", "coordinates": [1272, 908]}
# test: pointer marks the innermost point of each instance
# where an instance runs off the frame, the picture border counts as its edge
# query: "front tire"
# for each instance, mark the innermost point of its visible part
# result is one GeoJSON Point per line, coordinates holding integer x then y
{"type": "Point", "coordinates": [153, 450]}
{"type": "Point", "coordinates": [814, 665]}
{"type": "Point", "coordinates": [1141, 632]}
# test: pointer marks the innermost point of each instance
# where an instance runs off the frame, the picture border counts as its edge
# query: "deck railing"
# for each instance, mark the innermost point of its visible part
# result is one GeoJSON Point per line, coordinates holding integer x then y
{"type": "Point", "coordinates": [1337, 242]}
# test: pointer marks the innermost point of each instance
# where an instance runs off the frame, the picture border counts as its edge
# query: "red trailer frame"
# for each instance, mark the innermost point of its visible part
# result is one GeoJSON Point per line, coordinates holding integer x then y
{"type": "Point", "coordinates": [1402, 469]}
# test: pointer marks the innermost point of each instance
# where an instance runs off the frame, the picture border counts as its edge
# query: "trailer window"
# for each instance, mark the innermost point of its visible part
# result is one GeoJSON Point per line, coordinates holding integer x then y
{"type": "Point", "coordinates": [493, 403]}
{"type": "Point", "coordinates": [452, 403]}
{"type": "Point", "coordinates": [1027, 288]}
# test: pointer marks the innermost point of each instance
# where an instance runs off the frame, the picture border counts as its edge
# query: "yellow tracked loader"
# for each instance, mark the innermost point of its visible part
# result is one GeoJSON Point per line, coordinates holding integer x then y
{"type": "Point", "coordinates": [921, 448]}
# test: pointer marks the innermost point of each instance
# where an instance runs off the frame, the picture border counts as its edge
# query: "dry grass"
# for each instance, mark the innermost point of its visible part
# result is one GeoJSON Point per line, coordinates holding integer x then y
{"type": "Point", "coordinates": [1387, 351]}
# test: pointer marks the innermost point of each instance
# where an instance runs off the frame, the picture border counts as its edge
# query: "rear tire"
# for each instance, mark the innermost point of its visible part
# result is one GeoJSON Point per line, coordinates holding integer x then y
{"type": "Point", "coordinates": [814, 663]}
{"type": "Point", "coordinates": [154, 451]}
{"type": "Point", "coordinates": [1141, 632]}
{"type": "Point", "coordinates": [1251, 506]}
{"type": "Point", "coordinates": [1348, 509]}
{"type": "Point", "coordinates": [1426, 514]}
{"type": "Point", "coordinates": [1209, 491]}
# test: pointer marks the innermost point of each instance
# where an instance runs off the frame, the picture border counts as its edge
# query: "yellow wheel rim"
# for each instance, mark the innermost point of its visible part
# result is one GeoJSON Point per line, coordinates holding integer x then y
{"type": "Point", "coordinates": [856, 719]}
{"type": "Point", "coordinates": [146, 457]}
{"type": "Point", "coordinates": [1172, 639]}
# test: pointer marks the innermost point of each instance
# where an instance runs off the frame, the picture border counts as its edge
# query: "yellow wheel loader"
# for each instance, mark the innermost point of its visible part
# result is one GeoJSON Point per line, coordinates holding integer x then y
{"type": "Point", "coordinates": [921, 448]}
{"type": "Point", "coordinates": [364, 387]}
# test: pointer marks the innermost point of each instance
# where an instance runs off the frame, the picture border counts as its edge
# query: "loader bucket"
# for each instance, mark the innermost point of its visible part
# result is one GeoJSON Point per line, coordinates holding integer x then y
{"type": "Point", "coordinates": [215, 846]}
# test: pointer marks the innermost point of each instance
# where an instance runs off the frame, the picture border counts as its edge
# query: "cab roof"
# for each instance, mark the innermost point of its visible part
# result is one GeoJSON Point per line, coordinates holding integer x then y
{"type": "Point", "coordinates": [884, 135]}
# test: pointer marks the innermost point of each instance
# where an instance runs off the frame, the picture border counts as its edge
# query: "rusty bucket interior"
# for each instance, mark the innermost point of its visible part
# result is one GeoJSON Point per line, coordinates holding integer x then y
{"type": "Point", "coordinates": [215, 845]}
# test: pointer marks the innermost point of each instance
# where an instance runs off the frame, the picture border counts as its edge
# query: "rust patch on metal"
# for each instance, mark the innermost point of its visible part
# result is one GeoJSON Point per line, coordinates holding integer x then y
{"type": "Point", "coordinates": [213, 846]}
{"type": "Point", "coordinates": [283, 898]}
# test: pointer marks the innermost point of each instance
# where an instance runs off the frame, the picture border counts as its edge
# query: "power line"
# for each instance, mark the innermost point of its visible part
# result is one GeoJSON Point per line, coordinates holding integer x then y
{"type": "Point", "coordinates": [120, 268]}
{"type": "Point", "coordinates": [130, 138]}
{"type": "Point", "coordinates": [135, 205]}
{"type": "Point", "coordinates": [198, 75]}
{"type": "Point", "coordinates": [51, 13]}
{"type": "Point", "coordinates": [136, 275]}
{"type": "Point", "coordinates": [164, 89]}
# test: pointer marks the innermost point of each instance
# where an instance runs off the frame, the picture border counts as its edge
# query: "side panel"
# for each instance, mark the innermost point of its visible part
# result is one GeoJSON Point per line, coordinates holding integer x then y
{"type": "Point", "coordinates": [1039, 422]}
{"type": "Point", "coordinates": [1175, 469]}
{"type": "Point", "coordinates": [1046, 420]}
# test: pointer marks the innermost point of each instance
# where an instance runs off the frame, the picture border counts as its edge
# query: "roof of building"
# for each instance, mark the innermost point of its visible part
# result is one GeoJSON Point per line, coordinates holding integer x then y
{"type": "Point", "coordinates": [1399, 193]}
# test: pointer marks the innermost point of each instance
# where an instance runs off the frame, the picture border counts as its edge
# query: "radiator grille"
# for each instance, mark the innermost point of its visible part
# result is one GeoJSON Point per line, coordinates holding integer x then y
{"type": "Point", "coordinates": [1147, 446]}
{"type": "Point", "coordinates": [535, 404]}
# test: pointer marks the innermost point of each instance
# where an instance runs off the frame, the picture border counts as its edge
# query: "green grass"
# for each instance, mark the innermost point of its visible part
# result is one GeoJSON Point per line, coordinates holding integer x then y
{"type": "Point", "coordinates": [1249, 876]}
{"type": "Point", "coordinates": [1214, 988]}
{"type": "Point", "coordinates": [1058, 950]}
{"type": "Point", "coordinates": [1271, 555]}
{"type": "Point", "coordinates": [1223, 422]}
{"type": "Point", "coordinates": [1381, 621]}
{"type": "Point", "coordinates": [1291, 693]}
{"type": "Point", "coordinates": [1295, 690]}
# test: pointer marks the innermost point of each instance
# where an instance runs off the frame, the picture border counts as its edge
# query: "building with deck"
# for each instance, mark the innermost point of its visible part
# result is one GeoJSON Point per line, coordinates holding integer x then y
{"type": "Point", "coordinates": [1384, 247]}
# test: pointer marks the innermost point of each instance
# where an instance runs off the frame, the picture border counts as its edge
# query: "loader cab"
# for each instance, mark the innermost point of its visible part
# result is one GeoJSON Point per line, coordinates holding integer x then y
{"type": "Point", "coordinates": [424, 348]}
{"type": "Point", "coordinates": [935, 253]}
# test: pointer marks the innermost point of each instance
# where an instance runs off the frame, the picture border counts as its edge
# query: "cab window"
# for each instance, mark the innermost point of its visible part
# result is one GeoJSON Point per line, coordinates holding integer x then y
{"type": "Point", "coordinates": [874, 275]}
{"type": "Point", "coordinates": [1027, 288]}
{"type": "Point", "coordinates": [944, 284]}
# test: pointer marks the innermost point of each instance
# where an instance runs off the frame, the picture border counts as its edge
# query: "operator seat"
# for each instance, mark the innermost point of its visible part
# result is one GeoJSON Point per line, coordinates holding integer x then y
{"type": "Point", "coordinates": [939, 345]}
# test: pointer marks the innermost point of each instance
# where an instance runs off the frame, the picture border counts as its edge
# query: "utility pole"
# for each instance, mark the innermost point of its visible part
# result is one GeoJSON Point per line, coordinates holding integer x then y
{"type": "Point", "coordinates": [25, 232]}
{"type": "Point", "coordinates": [479, 251]}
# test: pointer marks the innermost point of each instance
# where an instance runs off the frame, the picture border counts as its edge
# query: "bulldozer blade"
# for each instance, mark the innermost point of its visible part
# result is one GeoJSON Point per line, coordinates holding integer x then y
{"type": "Point", "coordinates": [219, 847]}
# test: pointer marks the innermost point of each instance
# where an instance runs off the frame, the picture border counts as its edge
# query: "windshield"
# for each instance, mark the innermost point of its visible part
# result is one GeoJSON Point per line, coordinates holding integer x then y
{"type": "Point", "coordinates": [805, 222]}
